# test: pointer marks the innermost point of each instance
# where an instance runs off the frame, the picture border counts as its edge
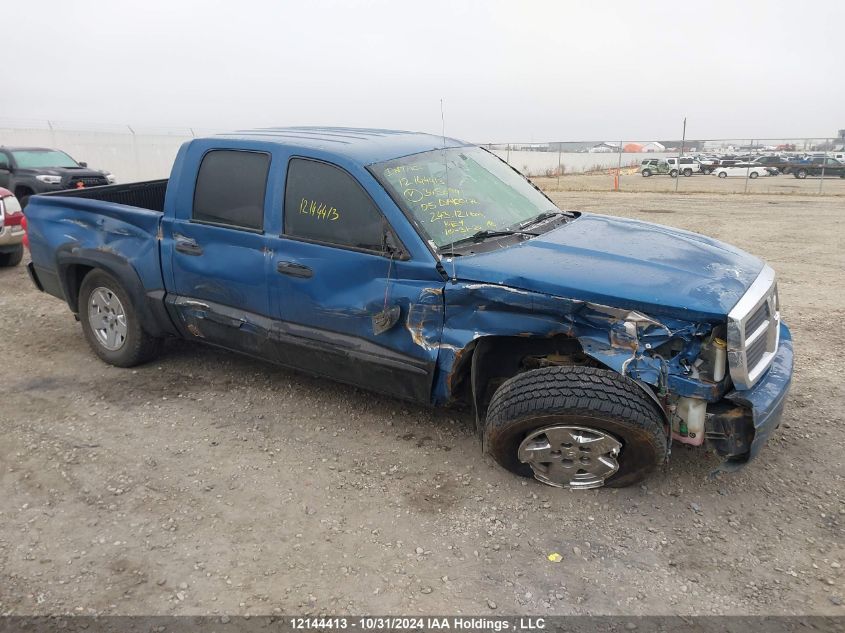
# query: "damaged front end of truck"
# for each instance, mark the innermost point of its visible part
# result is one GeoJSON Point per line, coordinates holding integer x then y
{"type": "Point", "coordinates": [719, 383]}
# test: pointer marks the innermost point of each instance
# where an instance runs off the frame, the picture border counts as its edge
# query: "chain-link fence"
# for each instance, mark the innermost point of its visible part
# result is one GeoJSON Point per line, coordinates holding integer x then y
{"type": "Point", "coordinates": [782, 165]}
{"type": "Point", "coordinates": [775, 165]}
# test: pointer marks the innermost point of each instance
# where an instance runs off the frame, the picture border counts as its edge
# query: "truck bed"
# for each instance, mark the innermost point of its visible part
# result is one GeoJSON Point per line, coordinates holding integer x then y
{"type": "Point", "coordinates": [112, 227]}
{"type": "Point", "coordinates": [145, 195]}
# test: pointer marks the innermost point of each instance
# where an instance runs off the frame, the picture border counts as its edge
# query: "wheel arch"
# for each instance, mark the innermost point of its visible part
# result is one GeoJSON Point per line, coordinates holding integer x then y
{"type": "Point", "coordinates": [74, 266]}
{"type": "Point", "coordinates": [488, 361]}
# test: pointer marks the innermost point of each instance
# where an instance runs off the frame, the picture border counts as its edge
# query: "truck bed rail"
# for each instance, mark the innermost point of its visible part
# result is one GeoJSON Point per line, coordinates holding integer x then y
{"type": "Point", "coordinates": [146, 195]}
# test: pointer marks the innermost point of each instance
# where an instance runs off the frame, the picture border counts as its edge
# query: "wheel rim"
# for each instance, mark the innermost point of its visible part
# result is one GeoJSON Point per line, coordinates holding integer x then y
{"type": "Point", "coordinates": [570, 456]}
{"type": "Point", "coordinates": [107, 318]}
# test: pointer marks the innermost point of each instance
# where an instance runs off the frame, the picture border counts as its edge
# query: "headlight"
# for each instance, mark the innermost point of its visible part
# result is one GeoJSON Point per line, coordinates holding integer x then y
{"type": "Point", "coordinates": [50, 180]}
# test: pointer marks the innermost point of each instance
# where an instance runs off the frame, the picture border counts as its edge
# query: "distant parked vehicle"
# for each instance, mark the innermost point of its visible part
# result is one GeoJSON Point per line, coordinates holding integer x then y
{"type": "Point", "coordinates": [656, 167]}
{"type": "Point", "coordinates": [27, 171]}
{"type": "Point", "coordinates": [708, 164]}
{"type": "Point", "coordinates": [11, 231]}
{"type": "Point", "coordinates": [781, 163]}
{"type": "Point", "coordinates": [817, 165]}
{"type": "Point", "coordinates": [742, 170]}
{"type": "Point", "coordinates": [686, 166]}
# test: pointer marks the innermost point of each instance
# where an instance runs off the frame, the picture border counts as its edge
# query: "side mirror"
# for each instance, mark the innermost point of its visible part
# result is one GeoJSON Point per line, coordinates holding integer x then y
{"type": "Point", "coordinates": [82, 163]}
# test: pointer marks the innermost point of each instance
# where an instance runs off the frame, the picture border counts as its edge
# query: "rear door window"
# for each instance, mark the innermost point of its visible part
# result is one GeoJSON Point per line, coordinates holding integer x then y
{"type": "Point", "coordinates": [230, 189]}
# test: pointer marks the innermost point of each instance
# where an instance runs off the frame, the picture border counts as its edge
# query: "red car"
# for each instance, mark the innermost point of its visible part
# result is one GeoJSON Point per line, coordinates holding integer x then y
{"type": "Point", "coordinates": [11, 230]}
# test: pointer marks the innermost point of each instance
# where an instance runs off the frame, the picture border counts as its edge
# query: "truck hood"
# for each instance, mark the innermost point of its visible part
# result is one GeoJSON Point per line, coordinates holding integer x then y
{"type": "Point", "coordinates": [622, 263]}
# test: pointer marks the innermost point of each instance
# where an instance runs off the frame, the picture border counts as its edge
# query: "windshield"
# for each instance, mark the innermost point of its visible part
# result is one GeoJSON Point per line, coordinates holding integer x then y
{"type": "Point", "coordinates": [457, 192]}
{"type": "Point", "coordinates": [42, 158]}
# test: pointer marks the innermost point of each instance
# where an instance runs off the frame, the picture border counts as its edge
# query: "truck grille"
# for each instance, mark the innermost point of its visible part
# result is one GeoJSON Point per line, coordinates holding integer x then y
{"type": "Point", "coordinates": [88, 181]}
{"type": "Point", "coordinates": [754, 331]}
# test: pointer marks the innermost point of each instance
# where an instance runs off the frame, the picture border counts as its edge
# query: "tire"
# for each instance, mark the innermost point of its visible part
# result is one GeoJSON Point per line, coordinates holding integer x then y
{"type": "Point", "coordinates": [753, 175]}
{"type": "Point", "coordinates": [786, 170]}
{"type": "Point", "coordinates": [673, 173]}
{"type": "Point", "coordinates": [646, 173]}
{"type": "Point", "coordinates": [137, 346]}
{"type": "Point", "coordinates": [707, 172]}
{"type": "Point", "coordinates": [801, 174]}
{"type": "Point", "coordinates": [687, 173]}
{"type": "Point", "coordinates": [12, 259]}
{"type": "Point", "coordinates": [584, 397]}
{"type": "Point", "coordinates": [723, 174]}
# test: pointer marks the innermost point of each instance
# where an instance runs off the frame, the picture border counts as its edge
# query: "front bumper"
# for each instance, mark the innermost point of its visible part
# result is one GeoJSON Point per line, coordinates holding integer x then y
{"type": "Point", "coordinates": [739, 430]}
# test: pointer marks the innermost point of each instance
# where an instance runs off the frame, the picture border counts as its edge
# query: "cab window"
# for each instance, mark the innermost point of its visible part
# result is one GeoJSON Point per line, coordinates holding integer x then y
{"type": "Point", "coordinates": [325, 204]}
{"type": "Point", "coordinates": [230, 189]}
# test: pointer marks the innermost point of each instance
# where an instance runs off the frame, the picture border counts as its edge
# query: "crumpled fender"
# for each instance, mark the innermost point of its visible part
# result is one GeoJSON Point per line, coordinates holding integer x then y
{"type": "Point", "coordinates": [621, 339]}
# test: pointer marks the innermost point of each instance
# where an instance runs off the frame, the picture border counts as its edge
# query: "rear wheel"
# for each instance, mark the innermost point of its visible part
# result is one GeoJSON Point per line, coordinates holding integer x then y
{"type": "Point", "coordinates": [110, 322]}
{"type": "Point", "coordinates": [12, 259]}
{"type": "Point", "coordinates": [646, 173]}
{"type": "Point", "coordinates": [801, 173]}
{"type": "Point", "coordinates": [753, 174]}
{"type": "Point", "coordinates": [575, 427]}
{"type": "Point", "coordinates": [723, 174]}
{"type": "Point", "coordinates": [674, 173]}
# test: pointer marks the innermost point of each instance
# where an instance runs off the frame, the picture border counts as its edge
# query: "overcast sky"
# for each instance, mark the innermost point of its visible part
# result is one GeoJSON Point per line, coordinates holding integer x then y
{"type": "Point", "coordinates": [507, 71]}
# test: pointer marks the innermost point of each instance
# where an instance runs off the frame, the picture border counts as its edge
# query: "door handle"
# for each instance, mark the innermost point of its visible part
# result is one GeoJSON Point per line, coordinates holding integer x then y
{"type": "Point", "coordinates": [187, 245]}
{"type": "Point", "coordinates": [294, 270]}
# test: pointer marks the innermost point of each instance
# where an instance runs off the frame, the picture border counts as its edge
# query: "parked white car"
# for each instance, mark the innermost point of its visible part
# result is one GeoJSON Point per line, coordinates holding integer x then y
{"type": "Point", "coordinates": [752, 170]}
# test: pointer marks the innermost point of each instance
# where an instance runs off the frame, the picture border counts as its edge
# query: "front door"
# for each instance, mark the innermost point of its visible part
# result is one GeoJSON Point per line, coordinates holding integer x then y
{"type": "Point", "coordinates": [351, 305]}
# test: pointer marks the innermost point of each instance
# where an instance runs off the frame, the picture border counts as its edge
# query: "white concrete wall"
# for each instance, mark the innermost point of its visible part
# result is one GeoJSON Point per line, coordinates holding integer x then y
{"type": "Point", "coordinates": [128, 156]}
{"type": "Point", "coordinates": [145, 156]}
{"type": "Point", "coordinates": [536, 163]}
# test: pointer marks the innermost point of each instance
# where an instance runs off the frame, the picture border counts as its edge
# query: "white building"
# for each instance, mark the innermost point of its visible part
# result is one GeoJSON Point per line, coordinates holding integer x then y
{"type": "Point", "coordinates": [653, 146]}
{"type": "Point", "coordinates": [604, 148]}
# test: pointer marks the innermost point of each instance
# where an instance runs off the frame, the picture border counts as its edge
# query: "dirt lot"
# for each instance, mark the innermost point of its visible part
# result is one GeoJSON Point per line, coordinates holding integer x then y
{"type": "Point", "coordinates": [631, 180]}
{"type": "Point", "coordinates": [212, 483]}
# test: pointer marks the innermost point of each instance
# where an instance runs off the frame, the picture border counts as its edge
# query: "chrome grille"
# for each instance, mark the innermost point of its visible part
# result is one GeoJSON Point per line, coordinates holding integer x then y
{"type": "Point", "coordinates": [754, 331]}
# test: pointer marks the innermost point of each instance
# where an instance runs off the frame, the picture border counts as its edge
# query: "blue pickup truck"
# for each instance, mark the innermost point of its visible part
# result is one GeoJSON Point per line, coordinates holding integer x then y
{"type": "Point", "coordinates": [428, 269]}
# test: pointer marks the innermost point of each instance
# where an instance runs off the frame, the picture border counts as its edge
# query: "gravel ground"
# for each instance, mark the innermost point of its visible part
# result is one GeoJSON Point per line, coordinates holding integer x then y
{"type": "Point", "coordinates": [212, 483]}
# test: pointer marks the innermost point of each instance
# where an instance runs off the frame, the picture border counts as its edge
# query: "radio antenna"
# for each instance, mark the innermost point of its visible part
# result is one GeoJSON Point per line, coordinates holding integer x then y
{"type": "Point", "coordinates": [442, 123]}
{"type": "Point", "coordinates": [446, 170]}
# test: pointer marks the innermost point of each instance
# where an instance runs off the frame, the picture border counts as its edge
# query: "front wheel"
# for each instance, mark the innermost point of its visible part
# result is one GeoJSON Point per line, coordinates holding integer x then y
{"type": "Point", "coordinates": [723, 174]}
{"type": "Point", "coordinates": [646, 173]}
{"type": "Point", "coordinates": [13, 258]}
{"type": "Point", "coordinates": [110, 322]}
{"type": "Point", "coordinates": [688, 173]}
{"type": "Point", "coordinates": [801, 173]}
{"type": "Point", "coordinates": [673, 173]}
{"type": "Point", "coordinates": [575, 427]}
{"type": "Point", "coordinates": [753, 174]}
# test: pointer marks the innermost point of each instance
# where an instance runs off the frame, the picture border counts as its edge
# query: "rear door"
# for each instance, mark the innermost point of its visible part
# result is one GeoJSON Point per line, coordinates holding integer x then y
{"type": "Point", "coordinates": [352, 304]}
{"type": "Point", "coordinates": [218, 253]}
